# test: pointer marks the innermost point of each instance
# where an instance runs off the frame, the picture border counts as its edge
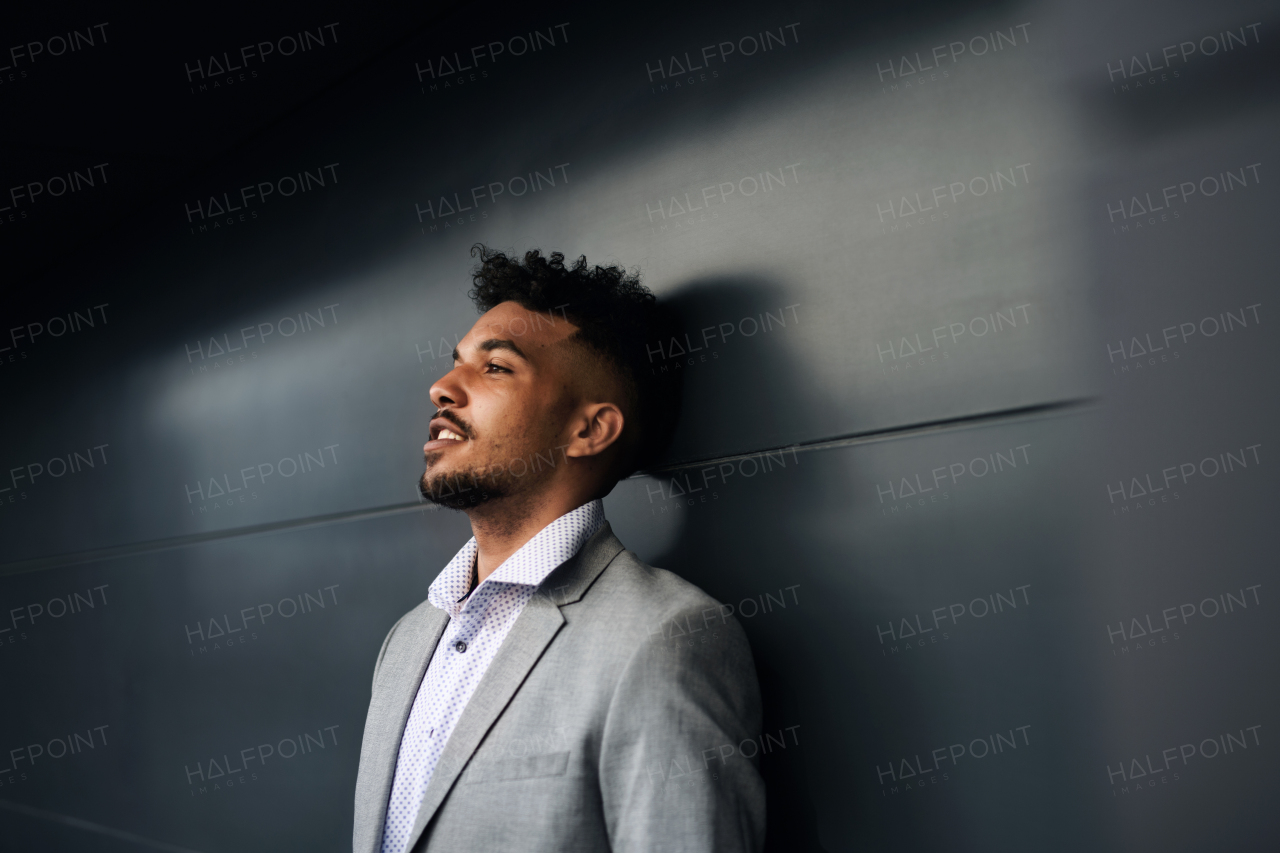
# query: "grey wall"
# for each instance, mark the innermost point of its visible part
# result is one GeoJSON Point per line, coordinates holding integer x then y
{"type": "Point", "coordinates": [975, 443]}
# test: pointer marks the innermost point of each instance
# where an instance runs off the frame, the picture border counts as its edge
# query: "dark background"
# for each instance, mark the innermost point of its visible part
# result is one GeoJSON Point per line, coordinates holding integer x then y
{"type": "Point", "coordinates": [1061, 309]}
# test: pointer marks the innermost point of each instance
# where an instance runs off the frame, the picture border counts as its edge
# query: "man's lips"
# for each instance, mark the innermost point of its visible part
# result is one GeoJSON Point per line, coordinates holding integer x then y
{"type": "Point", "coordinates": [444, 432]}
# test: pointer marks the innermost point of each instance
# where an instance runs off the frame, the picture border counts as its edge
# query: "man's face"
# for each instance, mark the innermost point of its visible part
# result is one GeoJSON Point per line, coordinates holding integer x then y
{"type": "Point", "coordinates": [502, 410]}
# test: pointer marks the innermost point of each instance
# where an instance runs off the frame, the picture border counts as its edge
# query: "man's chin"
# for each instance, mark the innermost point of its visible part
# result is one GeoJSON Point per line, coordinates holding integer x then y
{"type": "Point", "coordinates": [458, 489]}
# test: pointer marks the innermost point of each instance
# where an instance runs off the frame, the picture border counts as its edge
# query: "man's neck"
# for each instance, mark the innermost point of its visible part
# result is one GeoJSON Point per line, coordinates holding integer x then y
{"type": "Point", "coordinates": [502, 527]}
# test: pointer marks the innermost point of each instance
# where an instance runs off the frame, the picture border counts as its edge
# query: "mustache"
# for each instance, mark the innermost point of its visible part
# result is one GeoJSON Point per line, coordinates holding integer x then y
{"type": "Point", "coordinates": [448, 415]}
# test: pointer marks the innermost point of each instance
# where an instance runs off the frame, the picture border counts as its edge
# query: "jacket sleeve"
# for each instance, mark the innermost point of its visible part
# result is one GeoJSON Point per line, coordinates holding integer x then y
{"type": "Point", "coordinates": [677, 765]}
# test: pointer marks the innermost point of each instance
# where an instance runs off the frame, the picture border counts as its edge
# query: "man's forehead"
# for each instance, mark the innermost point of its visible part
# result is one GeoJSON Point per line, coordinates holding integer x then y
{"type": "Point", "coordinates": [513, 323]}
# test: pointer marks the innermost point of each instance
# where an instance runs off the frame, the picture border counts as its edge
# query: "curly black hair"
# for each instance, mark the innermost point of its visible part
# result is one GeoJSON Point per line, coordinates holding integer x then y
{"type": "Point", "coordinates": [617, 317]}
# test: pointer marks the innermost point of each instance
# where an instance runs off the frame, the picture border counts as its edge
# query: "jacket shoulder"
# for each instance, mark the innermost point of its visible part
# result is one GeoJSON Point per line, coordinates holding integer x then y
{"type": "Point", "coordinates": [637, 597]}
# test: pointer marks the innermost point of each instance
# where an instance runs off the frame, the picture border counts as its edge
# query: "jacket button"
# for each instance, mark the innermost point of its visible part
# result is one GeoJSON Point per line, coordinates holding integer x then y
{"type": "Point", "coordinates": [460, 646]}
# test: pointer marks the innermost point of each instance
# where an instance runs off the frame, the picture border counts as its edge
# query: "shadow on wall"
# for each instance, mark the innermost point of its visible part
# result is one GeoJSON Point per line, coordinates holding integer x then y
{"type": "Point", "coordinates": [802, 544]}
{"type": "Point", "coordinates": [787, 538]}
{"type": "Point", "coordinates": [715, 407]}
{"type": "Point", "coordinates": [747, 539]}
{"type": "Point", "coordinates": [1207, 81]}
{"type": "Point", "coordinates": [742, 385]}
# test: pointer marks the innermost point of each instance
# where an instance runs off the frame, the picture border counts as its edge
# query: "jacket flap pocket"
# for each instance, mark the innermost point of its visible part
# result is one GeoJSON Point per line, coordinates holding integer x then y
{"type": "Point", "coordinates": [509, 770]}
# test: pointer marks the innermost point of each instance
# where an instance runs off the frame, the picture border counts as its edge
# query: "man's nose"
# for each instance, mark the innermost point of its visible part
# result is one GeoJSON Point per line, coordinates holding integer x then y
{"type": "Point", "coordinates": [448, 390]}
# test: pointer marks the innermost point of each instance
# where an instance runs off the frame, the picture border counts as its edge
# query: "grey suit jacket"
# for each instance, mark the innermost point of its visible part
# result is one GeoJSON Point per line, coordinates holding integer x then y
{"type": "Point", "coordinates": [617, 715]}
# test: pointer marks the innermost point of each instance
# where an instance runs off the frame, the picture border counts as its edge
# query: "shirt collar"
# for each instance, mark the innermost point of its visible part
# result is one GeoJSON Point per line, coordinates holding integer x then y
{"type": "Point", "coordinates": [529, 566]}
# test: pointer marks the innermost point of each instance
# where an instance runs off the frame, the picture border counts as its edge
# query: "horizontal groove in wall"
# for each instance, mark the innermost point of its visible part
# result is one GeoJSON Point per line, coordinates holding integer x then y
{"type": "Point", "coordinates": [894, 433]}
{"type": "Point", "coordinates": [90, 826]}
{"type": "Point", "coordinates": [170, 543]}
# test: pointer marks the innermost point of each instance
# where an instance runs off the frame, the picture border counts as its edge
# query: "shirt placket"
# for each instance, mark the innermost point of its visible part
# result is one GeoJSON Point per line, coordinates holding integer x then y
{"type": "Point", "coordinates": [470, 621]}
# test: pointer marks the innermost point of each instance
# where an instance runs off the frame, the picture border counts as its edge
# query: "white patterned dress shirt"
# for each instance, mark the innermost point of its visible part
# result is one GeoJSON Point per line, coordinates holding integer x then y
{"type": "Point", "coordinates": [478, 623]}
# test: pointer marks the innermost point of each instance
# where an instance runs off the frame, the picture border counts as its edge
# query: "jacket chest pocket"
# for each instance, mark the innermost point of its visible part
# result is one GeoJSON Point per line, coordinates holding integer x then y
{"type": "Point", "coordinates": [512, 769]}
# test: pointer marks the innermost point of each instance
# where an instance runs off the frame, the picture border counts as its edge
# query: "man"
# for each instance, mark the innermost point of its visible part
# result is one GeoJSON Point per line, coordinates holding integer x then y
{"type": "Point", "coordinates": [554, 693]}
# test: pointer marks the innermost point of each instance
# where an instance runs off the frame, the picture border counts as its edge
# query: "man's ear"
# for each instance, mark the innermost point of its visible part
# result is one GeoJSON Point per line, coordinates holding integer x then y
{"type": "Point", "coordinates": [597, 427]}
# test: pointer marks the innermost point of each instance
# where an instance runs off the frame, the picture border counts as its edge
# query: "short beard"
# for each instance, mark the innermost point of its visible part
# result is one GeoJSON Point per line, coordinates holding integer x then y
{"type": "Point", "coordinates": [466, 489]}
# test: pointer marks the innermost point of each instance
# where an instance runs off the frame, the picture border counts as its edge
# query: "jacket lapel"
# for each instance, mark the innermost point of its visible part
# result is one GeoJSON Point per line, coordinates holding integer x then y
{"type": "Point", "coordinates": [533, 631]}
{"type": "Point", "coordinates": [400, 673]}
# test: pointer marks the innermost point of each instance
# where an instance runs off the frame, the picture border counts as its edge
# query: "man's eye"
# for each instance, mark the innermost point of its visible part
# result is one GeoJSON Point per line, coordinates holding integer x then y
{"type": "Point", "coordinates": [492, 366]}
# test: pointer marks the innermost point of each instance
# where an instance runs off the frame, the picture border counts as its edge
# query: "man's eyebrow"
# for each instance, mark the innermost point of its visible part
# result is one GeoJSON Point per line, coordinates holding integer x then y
{"type": "Point", "coordinates": [498, 343]}
{"type": "Point", "coordinates": [502, 343]}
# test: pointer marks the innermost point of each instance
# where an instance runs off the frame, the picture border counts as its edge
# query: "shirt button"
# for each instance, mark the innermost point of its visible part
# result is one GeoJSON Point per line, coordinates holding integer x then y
{"type": "Point", "coordinates": [460, 646]}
